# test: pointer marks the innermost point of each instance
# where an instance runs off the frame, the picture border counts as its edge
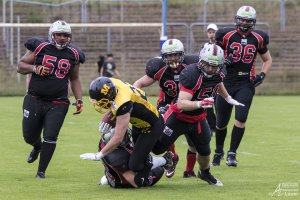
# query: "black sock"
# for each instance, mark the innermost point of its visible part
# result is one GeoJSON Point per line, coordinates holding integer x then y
{"type": "Point", "coordinates": [220, 139]}
{"type": "Point", "coordinates": [47, 151]}
{"type": "Point", "coordinates": [37, 145]}
{"type": "Point", "coordinates": [236, 138]}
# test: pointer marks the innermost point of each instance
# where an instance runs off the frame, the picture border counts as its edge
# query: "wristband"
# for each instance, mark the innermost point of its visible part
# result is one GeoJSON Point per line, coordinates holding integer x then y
{"type": "Point", "coordinates": [199, 104]}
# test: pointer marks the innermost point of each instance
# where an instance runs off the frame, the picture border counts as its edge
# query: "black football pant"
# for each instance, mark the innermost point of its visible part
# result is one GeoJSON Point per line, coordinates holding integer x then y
{"type": "Point", "coordinates": [199, 134]}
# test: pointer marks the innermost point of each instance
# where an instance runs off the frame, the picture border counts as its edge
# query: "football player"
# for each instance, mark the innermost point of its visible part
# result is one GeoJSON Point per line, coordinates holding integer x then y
{"type": "Point", "coordinates": [129, 104]}
{"type": "Point", "coordinates": [199, 84]}
{"type": "Point", "coordinates": [165, 70]}
{"type": "Point", "coordinates": [241, 44]}
{"type": "Point", "coordinates": [117, 172]}
{"type": "Point", "coordinates": [52, 64]}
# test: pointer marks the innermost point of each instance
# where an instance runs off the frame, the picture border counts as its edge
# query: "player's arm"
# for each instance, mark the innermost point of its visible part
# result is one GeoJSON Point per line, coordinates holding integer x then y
{"type": "Point", "coordinates": [267, 62]}
{"type": "Point", "coordinates": [76, 89]}
{"type": "Point", "coordinates": [223, 92]}
{"type": "Point", "coordinates": [26, 64]}
{"type": "Point", "coordinates": [184, 101]}
{"type": "Point", "coordinates": [144, 81]}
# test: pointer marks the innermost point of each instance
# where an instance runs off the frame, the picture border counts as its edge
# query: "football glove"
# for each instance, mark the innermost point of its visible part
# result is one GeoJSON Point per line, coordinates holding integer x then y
{"type": "Point", "coordinates": [104, 127]}
{"type": "Point", "coordinates": [233, 102]}
{"type": "Point", "coordinates": [79, 106]}
{"type": "Point", "coordinates": [259, 78]}
{"type": "Point", "coordinates": [206, 103]}
{"type": "Point", "coordinates": [91, 156]}
{"type": "Point", "coordinates": [42, 70]}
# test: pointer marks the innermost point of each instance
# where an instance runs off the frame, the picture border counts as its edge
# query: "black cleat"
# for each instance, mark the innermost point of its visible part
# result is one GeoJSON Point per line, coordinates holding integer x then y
{"type": "Point", "coordinates": [40, 175]}
{"type": "Point", "coordinates": [189, 174]}
{"type": "Point", "coordinates": [34, 154]}
{"type": "Point", "coordinates": [169, 159]}
{"type": "Point", "coordinates": [217, 159]}
{"type": "Point", "coordinates": [171, 170]}
{"type": "Point", "coordinates": [210, 179]}
{"type": "Point", "coordinates": [231, 159]}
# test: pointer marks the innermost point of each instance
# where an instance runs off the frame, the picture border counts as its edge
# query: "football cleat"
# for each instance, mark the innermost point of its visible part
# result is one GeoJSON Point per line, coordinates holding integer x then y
{"type": "Point", "coordinates": [231, 159]}
{"type": "Point", "coordinates": [40, 175]}
{"type": "Point", "coordinates": [34, 154]}
{"type": "Point", "coordinates": [171, 170]}
{"type": "Point", "coordinates": [169, 159]}
{"type": "Point", "coordinates": [189, 174]}
{"type": "Point", "coordinates": [217, 159]}
{"type": "Point", "coordinates": [209, 178]}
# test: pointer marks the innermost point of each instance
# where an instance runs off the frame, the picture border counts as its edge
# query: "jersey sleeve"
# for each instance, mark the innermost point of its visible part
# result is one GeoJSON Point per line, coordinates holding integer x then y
{"type": "Point", "coordinates": [220, 36]}
{"type": "Point", "coordinates": [125, 108]}
{"type": "Point", "coordinates": [32, 43]}
{"type": "Point", "coordinates": [263, 48]}
{"type": "Point", "coordinates": [153, 65]}
{"type": "Point", "coordinates": [188, 79]}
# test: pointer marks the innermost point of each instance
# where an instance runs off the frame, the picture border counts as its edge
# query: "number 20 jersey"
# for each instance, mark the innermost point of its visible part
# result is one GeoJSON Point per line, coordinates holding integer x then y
{"type": "Point", "coordinates": [167, 77]}
{"type": "Point", "coordinates": [56, 85]}
{"type": "Point", "coordinates": [243, 48]}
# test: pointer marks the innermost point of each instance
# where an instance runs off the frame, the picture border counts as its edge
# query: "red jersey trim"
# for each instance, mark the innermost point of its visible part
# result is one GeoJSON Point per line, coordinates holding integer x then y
{"type": "Point", "coordinates": [182, 88]}
{"type": "Point", "coordinates": [76, 54]}
{"type": "Point", "coordinates": [226, 38]}
{"type": "Point", "coordinates": [158, 75]}
{"type": "Point", "coordinates": [259, 39]}
{"type": "Point", "coordinates": [39, 48]}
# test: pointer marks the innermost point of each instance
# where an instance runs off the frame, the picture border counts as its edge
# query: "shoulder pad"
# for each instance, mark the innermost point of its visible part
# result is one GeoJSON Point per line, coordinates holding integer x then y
{"type": "Point", "coordinates": [80, 53]}
{"type": "Point", "coordinates": [189, 76]}
{"type": "Point", "coordinates": [153, 65]}
{"type": "Point", "coordinates": [264, 35]}
{"type": "Point", "coordinates": [190, 59]}
{"type": "Point", "coordinates": [32, 43]}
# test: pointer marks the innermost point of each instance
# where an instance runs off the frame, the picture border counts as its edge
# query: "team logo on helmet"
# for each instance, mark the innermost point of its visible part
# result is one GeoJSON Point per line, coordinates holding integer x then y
{"type": "Point", "coordinates": [105, 89]}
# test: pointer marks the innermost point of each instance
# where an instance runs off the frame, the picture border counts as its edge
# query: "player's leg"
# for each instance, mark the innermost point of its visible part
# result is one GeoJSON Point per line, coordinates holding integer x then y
{"type": "Point", "coordinates": [54, 119]}
{"type": "Point", "coordinates": [211, 119]}
{"type": "Point", "coordinates": [200, 135]}
{"type": "Point", "coordinates": [223, 110]}
{"type": "Point", "coordinates": [244, 95]}
{"type": "Point", "coordinates": [32, 125]}
{"type": "Point", "coordinates": [190, 160]}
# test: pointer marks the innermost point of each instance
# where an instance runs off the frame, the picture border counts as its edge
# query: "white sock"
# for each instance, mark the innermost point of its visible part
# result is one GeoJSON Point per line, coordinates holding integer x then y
{"type": "Point", "coordinates": [158, 161]}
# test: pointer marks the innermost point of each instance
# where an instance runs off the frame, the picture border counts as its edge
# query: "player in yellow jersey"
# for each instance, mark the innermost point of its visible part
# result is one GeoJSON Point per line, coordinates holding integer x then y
{"type": "Point", "coordinates": [129, 105]}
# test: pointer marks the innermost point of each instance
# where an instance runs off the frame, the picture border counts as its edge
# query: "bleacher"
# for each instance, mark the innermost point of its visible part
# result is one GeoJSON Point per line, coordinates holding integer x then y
{"type": "Point", "coordinates": [132, 47]}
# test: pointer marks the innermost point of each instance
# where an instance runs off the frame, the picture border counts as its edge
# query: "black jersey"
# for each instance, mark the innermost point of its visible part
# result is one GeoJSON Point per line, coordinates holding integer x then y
{"type": "Point", "coordinates": [109, 69]}
{"type": "Point", "coordinates": [194, 82]}
{"type": "Point", "coordinates": [243, 48]}
{"type": "Point", "coordinates": [56, 85]}
{"type": "Point", "coordinates": [167, 77]}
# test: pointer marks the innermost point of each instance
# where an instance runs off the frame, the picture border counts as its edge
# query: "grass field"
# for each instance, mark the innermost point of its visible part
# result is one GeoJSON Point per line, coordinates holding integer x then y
{"type": "Point", "coordinates": [268, 156]}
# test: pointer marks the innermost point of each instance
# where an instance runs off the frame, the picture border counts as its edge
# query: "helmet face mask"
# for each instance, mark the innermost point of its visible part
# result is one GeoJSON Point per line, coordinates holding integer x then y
{"type": "Point", "coordinates": [102, 92]}
{"type": "Point", "coordinates": [211, 60]}
{"type": "Point", "coordinates": [245, 19]}
{"type": "Point", "coordinates": [60, 34]}
{"type": "Point", "coordinates": [172, 52]}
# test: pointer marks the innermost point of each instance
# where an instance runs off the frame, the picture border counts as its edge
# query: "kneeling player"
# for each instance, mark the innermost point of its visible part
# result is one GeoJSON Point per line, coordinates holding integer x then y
{"type": "Point", "coordinates": [117, 172]}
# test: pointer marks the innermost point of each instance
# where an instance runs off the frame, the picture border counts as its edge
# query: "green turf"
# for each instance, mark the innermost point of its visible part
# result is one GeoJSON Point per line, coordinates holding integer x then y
{"type": "Point", "coordinates": [268, 156]}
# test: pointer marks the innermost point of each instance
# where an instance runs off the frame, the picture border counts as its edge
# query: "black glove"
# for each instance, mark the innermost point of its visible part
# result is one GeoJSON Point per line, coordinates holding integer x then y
{"type": "Point", "coordinates": [258, 79]}
{"type": "Point", "coordinates": [228, 61]}
{"type": "Point", "coordinates": [79, 106]}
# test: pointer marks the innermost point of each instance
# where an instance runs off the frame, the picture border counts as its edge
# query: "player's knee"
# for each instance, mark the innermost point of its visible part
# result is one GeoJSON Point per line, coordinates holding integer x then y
{"type": "Point", "coordinates": [204, 150]}
{"type": "Point", "coordinates": [221, 127]}
{"type": "Point", "coordinates": [240, 122]}
{"type": "Point", "coordinates": [29, 140]}
{"type": "Point", "coordinates": [159, 148]}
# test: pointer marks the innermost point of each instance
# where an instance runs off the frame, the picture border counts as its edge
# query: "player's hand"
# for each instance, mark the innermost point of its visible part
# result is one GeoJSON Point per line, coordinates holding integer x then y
{"type": "Point", "coordinates": [104, 128]}
{"type": "Point", "coordinates": [42, 70]}
{"type": "Point", "coordinates": [206, 103]}
{"type": "Point", "coordinates": [233, 102]}
{"type": "Point", "coordinates": [228, 61]}
{"type": "Point", "coordinates": [79, 106]}
{"type": "Point", "coordinates": [91, 156]}
{"type": "Point", "coordinates": [259, 78]}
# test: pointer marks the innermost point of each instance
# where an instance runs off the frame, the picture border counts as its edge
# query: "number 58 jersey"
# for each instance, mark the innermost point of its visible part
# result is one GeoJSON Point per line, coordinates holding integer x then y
{"type": "Point", "coordinates": [62, 62]}
{"type": "Point", "coordinates": [243, 48]}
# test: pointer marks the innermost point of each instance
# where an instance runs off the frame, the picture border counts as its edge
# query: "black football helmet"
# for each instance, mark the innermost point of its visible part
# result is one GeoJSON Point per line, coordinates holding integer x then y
{"type": "Point", "coordinates": [102, 91]}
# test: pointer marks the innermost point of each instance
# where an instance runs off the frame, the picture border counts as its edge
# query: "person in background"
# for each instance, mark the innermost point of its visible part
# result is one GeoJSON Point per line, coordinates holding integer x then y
{"type": "Point", "coordinates": [53, 64]}
{"type": "Point", "coordinates": [241, 44]}
{"type": "Point", "coordinates": [100, 63]}
{"type": "Point", "coordinates": [109, 68]}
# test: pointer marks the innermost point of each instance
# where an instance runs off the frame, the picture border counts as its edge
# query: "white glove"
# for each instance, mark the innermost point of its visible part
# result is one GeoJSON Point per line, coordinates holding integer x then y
{"type": "Point", "coordinates": [231, 101]}
{"type": "Point", "coordinates": [104, 127]}
{"type": "Point", "coordinates": [91, 156]}
{"type": "Point", "coordinates": [206, 103]}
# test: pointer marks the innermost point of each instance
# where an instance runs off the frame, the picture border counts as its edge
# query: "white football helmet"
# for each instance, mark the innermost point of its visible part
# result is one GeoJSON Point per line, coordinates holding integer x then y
{"type": "Point", "coordinates": [172, 46]}
{"type": "Point", "coordinates": [247, 13]}
{"type": "Point", "coordinates": [211, 60]}
{"type": "Point", "coordinates": [60, 27]}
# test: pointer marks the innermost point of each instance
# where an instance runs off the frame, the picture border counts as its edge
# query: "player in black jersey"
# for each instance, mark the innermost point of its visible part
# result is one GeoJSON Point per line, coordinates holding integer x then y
{"type": "Point", "coordinates": [166, 70]}
{"type": "Point", "coordinates": [199, 83]}
{"type": "Point", "coordinates": [53, 65]}
{"type": "Point", "coordinates": [241, 44]}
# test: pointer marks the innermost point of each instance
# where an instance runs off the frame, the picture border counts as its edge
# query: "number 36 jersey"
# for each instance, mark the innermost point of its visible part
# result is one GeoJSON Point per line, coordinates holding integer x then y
{"type": "Point", "coordinates": [56, 85]}
{"type": "Point", "coordinates": [243, 48]}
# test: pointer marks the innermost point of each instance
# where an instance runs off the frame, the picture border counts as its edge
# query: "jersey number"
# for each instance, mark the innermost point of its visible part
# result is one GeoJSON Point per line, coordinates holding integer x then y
{"type": "Point", "coordinates": [63, 65]}
{"type": "Point", "coordinates": [247, 56]}
{"type": "Point", "coordinates": [172, 88]}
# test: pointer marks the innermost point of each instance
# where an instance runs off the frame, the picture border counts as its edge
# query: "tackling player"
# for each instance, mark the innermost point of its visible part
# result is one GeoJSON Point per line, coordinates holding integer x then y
{"type": "Point", "coordinates": [53, 64]}
{"type": "Point", "coordinates": [242, 44]}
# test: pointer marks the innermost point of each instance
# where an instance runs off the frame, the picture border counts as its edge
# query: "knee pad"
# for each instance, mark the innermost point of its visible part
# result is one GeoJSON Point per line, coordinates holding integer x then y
{"type": "Point", "coordinates": [204, 150]}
